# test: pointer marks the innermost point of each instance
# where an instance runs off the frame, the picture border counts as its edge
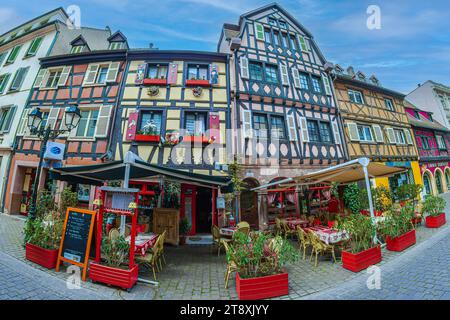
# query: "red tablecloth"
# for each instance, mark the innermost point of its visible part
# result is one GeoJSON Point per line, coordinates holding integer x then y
{"type": "Point", "coordinates": [143, 242]}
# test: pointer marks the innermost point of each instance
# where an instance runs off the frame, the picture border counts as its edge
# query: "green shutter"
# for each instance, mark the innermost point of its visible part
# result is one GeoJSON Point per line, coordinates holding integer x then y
{"type": "Point", "coordinates": [259, 31]}
{"type": "Point", "coordinates": [9, 119]}
{"type": "Point", "coordinates": [302, 42]}
{"type": "Point", "coordinates": [4, 82]}
{"type": "Point", "coordinates": [18, 79]}
{"type": "Point", "coordinates": [13, 55]}
{"type": "Point", "coordinates": [34, 46]}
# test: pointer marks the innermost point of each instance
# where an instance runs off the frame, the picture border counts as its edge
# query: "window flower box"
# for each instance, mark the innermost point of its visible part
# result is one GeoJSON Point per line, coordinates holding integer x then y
{"type": "Point", "coordinates": [435, 222]}
{"type": "Point", "coordinates": [362, 260]}
{"type": "Point", "coordinates": [43, 257]}
{"type": "Point", "coordinates": [197, 139]}
{"type": "Point", "coordinates": [147, 138]}
{"type": "Point", "coordinates": [123, 278]}
{"type": "Point", "coordinates": [195, 83]}
{"type": "Point", "coordinates": [154, 82]}
{"type": "Point", "coordinates": [402, 242]}
{"type": "Point", "coordinates": [262, 287]}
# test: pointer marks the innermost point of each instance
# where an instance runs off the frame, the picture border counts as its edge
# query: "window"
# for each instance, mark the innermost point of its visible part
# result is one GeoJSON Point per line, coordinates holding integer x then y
{"type": "Point", "coordinates": [400, 136]}
{"type": "Point", "coordinates": [267, 36]}
{"type": "Point", "coordinates": [284, 39]}
{"type": "Point", "coordinates": [13, 54]}
{"type": "Point", "coordinates": [443, 102]}
{"type": "Point", "coordinates": [6, 114]}
{"type": "Point", "coordinates": [260, 125]}
{"type": "Point", "coordinates": [276, 39]}
{"type": "Point", "coordinates": [34, 46]}
{"type": "Point", "coordinates": [18, 79]}
{"type": "Point", "coordinates": [77, 49]}
{"type": "Point", "coordinates": [313, 131]}
{"type": "Point", "coordinates": [355, 96]}
{"type": "Point", "coordinates": [195, 123]}
{"type": "Point", "coordinates": [87, 124]}
{"type": "Point", "coordinates": [256, 71]}
{"type": "Point", "coordinates": [365, 133]}
{"type": "Point", "coordinates": [425, 142]}
{"type": "Point", "coordinates": [101, 74]}
{"type": "Point", "coordinates": [389, 104]}
{"type": "Point", "coordinates": [157, 71]}
{"type": "Point", "coordinates": [304, 83]}
{"type": "Point", "coordinates": [277, 127]}
{"type": "Point", "coordinates": [272, 22]}
{"type": "Point", "coordinates": [282, 24]}
{"type": "Point", "coordinates": [416, 114]}
{"type": "Point", "coordinates": [197, 72]}
{"type": "Point", "coordinates": [116, 45]}
{"type": "Point", "coordinates": [441, 142]}
{"type": "Point", "coordinates": [2, 57]}
{"type": "Point", "coordinates": [271, 73]}
{"type": "Point", "coordinates": [293, 42]}
{"type": "Point", "coordinates": [316, 84]}
{"type": "Point", "coordinates": [53, 78]}
{"type": "Point", "coordinates": [4, 81]}
{"type": "Point", "coordinates": [150, 123]}
{"type": "Point", "coordinates": [325, 132]}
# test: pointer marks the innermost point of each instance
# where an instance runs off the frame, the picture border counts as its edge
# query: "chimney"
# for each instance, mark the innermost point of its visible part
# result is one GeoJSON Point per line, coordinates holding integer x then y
{"type": "Point", "coordinates": [351, 71]}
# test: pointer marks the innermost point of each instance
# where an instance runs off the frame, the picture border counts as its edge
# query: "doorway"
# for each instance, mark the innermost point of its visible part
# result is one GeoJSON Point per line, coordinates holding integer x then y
{"type": "Point", "coordinates": [203, 221]}
{"type": "Point", "coordinates": [27, 189]}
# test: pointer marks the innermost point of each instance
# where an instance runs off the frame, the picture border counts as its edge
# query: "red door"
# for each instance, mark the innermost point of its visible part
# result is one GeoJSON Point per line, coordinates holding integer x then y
{"type": "Point", "coordinates": [188, 205]}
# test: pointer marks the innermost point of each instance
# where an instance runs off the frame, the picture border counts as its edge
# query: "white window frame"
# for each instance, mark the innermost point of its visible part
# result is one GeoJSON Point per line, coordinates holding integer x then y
{"type": "Point", "coordinates": [77, 49]}
{"type": "Point", "coordinates": [73, 132]}
{"type": "Point", "coordinates": [365, 139]}
{"type": "Point", "coordinates": [390, 105]}
{"type": "Point", "coordinates": [55, 80]}
{"type": "Point", "coordinates": [353, 92]}
{"type": "Point", "coordinates": [400, 134]}
{"type": "Point", "coordinates": [440, 142]}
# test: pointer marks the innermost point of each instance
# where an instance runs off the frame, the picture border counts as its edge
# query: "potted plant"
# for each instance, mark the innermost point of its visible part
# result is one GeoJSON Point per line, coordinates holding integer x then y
{"type": "Point", "coordinates": [398, 228]}
{"type": "Point", "coordinates": [352, 198]}
{"type": "Point", "coordinates": [433, 207]}
{"type": "Point", "coordinates": [260, 262]}
{"type": "Point", "coordinates": [112, 269]}
{"type": "Point", "coordinates": [185, 228]}
{"type": "Point", "coordinates": [363, 252]}
{"type": "Point", "coordinates": [148, 133]}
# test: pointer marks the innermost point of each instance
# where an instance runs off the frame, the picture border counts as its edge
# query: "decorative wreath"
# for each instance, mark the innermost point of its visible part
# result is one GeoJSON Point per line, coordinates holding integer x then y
{"type": "Point", "coordinates": [153, 91]}
{"type": "Point", "coordinates": [197, 91]}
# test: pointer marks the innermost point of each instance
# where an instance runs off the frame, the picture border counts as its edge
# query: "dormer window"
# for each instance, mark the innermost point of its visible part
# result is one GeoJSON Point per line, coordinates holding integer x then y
{"type": "Point", "coordinates": [116, 45]}
{"type": "Point", "coordinates": [77, 49]}
{"type": "Point", "coordinates": [282, 24]}
{"type": "Point", "coordinates": [117, 41]}
{"type": "Point", "coordinates": [272, 22]}
{"type": "Point", "coordinates": [416, 114]}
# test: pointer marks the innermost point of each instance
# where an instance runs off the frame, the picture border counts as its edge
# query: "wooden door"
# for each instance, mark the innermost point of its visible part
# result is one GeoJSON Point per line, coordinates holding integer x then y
{"type": "Point", "coordinates": [167, 219]}
{"type": "Point", "coordinates": [188, 205]}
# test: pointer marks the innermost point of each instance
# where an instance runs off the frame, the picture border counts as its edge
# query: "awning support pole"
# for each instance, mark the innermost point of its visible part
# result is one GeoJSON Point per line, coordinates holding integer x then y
{"type": "Point", "coordinates": [126, 181]}
{"type": "Point", "coordinates": [369, 195]}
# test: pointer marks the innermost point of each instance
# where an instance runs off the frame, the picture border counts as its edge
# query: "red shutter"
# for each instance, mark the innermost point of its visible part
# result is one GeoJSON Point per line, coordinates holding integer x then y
{"type": "Point", "coordinates": [173, 70]}
{"type": "Point", "coordinates": [132, 125]}
{"type": "Point", "coordinates": [214, 126]}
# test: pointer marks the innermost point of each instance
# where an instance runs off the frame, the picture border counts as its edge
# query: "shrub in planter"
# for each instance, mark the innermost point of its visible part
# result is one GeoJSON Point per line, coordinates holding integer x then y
{"type": "Point", "coordinates": [184, 228]}
{"type": "Point", "coordinates": [260, 260]}
{"type": "Point", "coordinates": [398, 228]}
{"type": "Point", "coordinates": [433, 208]}
{"type": "Point", "coordinates": [362, 251]}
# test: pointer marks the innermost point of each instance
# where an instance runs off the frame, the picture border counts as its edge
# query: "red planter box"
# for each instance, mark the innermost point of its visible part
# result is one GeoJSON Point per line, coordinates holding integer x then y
{"type": "Point", "coordinates": [262, 287]}
{"type": "Point", "coordinates": [435, 222]}
{"type": "Point", "coordinates": [122, 278]}
{"type": "Point", "coordinates": [43, 257]}
{"type": "Point", "coordinates": [195, 83]}
{"type": "Point", "coordinates": [402, 242]}
{"type": "Point", "coordinates": [154, 82]}
{"type": "Point", "coordinates": [147, 138]}
{"type": "Point", "coordinates": [196, 139]}
{"type": "Point", "coordinates": [361, 260]}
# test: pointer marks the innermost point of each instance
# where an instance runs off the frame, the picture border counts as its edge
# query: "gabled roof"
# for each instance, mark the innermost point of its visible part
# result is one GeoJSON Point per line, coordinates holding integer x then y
{"type": "Point", "coordinates": [117, 37]}
{"type": "Point", "coordinates": [78, 41]}
{"type": "Point", "coordinates": [423, 122]}
{"type": "Point", "coordinates": [367, 85]}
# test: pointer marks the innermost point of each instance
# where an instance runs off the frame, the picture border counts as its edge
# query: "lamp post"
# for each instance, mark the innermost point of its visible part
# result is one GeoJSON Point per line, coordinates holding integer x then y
{"type": "Point", "coordinates": [44, 133]}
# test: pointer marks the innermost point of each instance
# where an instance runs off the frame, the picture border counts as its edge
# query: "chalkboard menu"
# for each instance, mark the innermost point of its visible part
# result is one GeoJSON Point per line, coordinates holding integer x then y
{"type": "Point", "coordinates": [76, 237]}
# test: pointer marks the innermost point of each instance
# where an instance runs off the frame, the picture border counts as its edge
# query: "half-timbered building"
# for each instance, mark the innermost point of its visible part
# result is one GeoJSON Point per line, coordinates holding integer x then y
{"type": "Point", "coordinates": [174, 112]}
{"type": "Point", "coordinates": [283, 108]}
{"type": "Point", "coordinates": [433, 144]}
{"type": "Point", "coordinates": [91, 80]}
{"type": "Point", "coordinates": [376, 125]}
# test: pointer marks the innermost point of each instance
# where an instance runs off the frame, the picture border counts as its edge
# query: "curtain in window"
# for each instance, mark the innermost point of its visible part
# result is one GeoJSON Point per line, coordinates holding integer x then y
{"type": "Point", "coordinates": [271, 197]}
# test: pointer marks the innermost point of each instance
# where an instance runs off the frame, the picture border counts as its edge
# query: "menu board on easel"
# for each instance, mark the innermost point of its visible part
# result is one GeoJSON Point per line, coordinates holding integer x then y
{"type": "Point", "coordinates": [76, 238]}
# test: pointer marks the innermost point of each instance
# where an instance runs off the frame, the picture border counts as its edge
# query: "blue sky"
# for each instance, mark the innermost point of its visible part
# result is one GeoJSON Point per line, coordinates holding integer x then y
{"type": "Point", "coordinates": [412, 46]}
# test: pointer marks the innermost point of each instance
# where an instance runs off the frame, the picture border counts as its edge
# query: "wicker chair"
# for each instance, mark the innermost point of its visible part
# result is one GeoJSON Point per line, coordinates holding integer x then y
{"type": "Point", "coordinates": [287, 231]}
{"type": "Point", "coordinates": [150, 260]}
{"type": "Point", "coordinates": [231, 262]}
{"type": "Point", "coordinates": [162, 239]}
{"type": "Point", "coordinates": [243, 227]}
{"type": "Point", "coordinates": [278, 228]}
{"type": "Point", "coordinates": [303, 240]}
{"type": "Point", "coordinates": [319, 247]}
{"type": "Point", "coordinates": [217, 239]}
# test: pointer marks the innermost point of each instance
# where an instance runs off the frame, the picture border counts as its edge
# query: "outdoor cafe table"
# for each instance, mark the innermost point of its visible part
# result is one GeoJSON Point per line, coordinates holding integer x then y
{"type": "Point", "coordinates": [227, 231]}
{"type": "Point", "coordinates": [328, 235]}
{"type": "Point", "coordinates": [143, 242]}
{"type": "Point", "coordinates": [294, 222]}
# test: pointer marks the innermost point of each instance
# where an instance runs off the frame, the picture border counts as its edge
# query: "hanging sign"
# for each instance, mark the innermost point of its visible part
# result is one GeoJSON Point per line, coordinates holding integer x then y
{"type": "Point", "coordinates": [54, 150]}
{"type": "Point", "coordinates": [140, 73]}
{"type": "Point", "coordinates": [76, 238]}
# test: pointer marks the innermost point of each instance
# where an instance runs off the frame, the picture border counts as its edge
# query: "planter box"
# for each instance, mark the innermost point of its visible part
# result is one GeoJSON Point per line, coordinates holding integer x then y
{"type": "Point", "coordinates": [435, 222]}
{"type": "Point", "coordinates": [122, 278]}
{"type": "Point", "coordinates": [362, 260]}
{"type": "Point", "coordinates": [402, 242]}
{"type": "Point", "coordinates": [154, 82]}
{"type": "Point", "coordinates": [196, 139]}
{"type": "Point", "coordinates": [43, 257]}
{"type": "Point", "coordinates": [147, 138]}
{"type": "Point", "coordinates": [262, 287]}
{"type": "Point", "coordinates": [195, 83]}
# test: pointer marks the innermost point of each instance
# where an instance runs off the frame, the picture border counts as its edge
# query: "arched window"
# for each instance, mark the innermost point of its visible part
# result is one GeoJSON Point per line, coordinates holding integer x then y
{"type": "Point", "coordinates": [447, 177]}
{"type": "Point", "coordinates": [438, 177]}
{"type": "Point", "coordinates": [427, 183]}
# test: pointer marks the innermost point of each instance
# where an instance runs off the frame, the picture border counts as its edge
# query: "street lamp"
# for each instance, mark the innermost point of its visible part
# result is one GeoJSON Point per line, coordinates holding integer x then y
{"type": "Point", "coordinates": [44, 133]}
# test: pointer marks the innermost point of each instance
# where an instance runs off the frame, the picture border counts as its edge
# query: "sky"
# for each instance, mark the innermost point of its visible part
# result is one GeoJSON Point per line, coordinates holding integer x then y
{"type": "Point", "coordinates": [411, 46]}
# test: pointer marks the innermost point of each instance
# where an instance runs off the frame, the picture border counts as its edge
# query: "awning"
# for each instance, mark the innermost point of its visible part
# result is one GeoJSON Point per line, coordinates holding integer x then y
{"type": "Point", "coordinates": [351, 171]}
{"type": "Point", "coordinates": [97, 174]}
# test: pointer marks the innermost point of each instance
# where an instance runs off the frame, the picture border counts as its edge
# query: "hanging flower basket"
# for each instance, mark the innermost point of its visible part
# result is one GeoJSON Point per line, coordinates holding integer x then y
{"type": "Point", "coordinates": [153, 91]}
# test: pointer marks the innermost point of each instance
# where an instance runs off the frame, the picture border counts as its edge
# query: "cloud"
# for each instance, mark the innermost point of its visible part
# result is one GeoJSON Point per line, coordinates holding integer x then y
{"type": "Point", "coordinates": [8, 18]}
{"type": "Point", "coordinates": [229, 5]}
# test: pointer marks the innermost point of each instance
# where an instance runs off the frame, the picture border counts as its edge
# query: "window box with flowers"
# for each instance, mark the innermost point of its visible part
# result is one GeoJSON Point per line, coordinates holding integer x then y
{"type": "Point", "coordinates": [197, 75]}
{"type": "Point", "coordinates": [156, 75]}
{"type": "Point", "coordinates": [150, 124]}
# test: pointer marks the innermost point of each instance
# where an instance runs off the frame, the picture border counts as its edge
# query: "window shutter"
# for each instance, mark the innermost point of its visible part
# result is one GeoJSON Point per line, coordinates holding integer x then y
{"type": "Point", "coordinates": [408, 136]}
{"type": "Point", "coordinates": [9, 119]}
{"type": "Point", "coordinates": [113, 70]}
{"type": "Point", "coordinates": [378, 133]}
{"type": "Point", "coordinates": [353, 131]}
{"type": "Point", "coordinates": [303, 44]}
{"type": "Point", "coordinates": [89, 77]}
{"type": "Point", "coordinates": [214, 73]}
{"type": "Point", "coordinates": [64, 76]}
{"type": "Point", "coordinates": [291, 128]}
{"type": "Point", "coordinates": [391, 135]}
{"type": "Point", "coordinates": [18, 79]}
{"type": "Point", "coordinates": [259, 31]}
{"type": "Point", "coordinates": [23, 130]}
{"type": "Point", "coordinates": [4, 82]}
{"type": "Point", "coordinates": [296, 77]}
{"type": "Point", "coordinates": [103, 120]}
{"type": "Point", "coordinates": [34, 46]}
{"type": "Point", "coordinates": [304, 129]}
{"type": "Point", "coordinates": [247, 123]}
{"type": "Point", "coordinates": [173, 73]}
{"type": "Point", "coordinates": [53, 117]}
{"type": "Point", "coordinates": [244, 67]}
{"type": "Point", "coordinates": [39, 78]}
{"type": "Point", "coordinates": [326, 82]}
{"type": "Point", "coordinates": [284, 75]}
{"type": "Point", "coordinates": [132, 126]}
{"type": "Point", "coordinates": [337, 136]}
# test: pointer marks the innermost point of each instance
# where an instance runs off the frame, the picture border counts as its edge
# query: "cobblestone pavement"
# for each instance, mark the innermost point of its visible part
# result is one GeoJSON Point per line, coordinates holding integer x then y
{"type": "Point", "coordinates": [193, 272]}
